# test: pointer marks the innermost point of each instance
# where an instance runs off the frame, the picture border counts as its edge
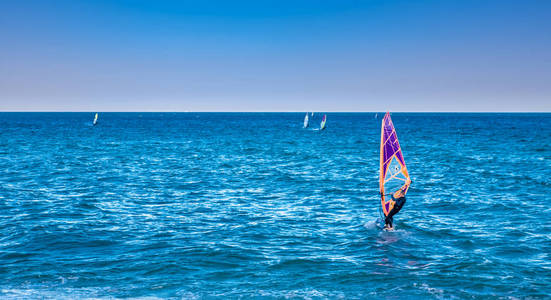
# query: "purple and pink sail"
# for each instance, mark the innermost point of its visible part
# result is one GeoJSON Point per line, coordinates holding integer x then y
{"type": "Point", "coordinates": [393, 173]}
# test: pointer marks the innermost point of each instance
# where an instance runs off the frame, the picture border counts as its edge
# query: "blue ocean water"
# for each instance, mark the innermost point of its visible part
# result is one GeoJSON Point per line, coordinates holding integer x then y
{"type": "Point", "coordinates": [197, 205]}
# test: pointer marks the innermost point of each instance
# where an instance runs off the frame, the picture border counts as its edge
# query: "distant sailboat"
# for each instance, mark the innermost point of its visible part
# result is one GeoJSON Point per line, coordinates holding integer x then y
{"type": "Point", "coordinates": [312, 114]}
{"type": "Point", "coordinates": [96, 119]}
{"type": "Point", "coordinates": [306, 120]}
{"type": "Point", "coordinates": [322, 125]}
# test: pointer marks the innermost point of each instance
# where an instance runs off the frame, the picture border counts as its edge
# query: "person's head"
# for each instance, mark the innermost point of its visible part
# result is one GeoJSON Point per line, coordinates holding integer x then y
{"type": "Point", "coordinates": [400, 193]}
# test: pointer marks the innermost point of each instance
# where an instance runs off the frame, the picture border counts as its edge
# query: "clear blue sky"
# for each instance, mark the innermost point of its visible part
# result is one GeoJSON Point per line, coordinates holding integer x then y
{"type": "Point", "coordinates": [275, 55]}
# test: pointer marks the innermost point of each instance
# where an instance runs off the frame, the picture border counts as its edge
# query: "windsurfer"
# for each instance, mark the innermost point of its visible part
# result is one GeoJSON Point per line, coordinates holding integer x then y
{"type": "Point", "coordinates": [399, 200]}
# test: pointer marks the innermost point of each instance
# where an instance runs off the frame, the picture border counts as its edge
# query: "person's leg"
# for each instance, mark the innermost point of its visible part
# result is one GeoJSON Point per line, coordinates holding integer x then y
{"type": "Point", "coordinates": [388, 221]}
{"type": "Point", "coordinates": [397, 207]}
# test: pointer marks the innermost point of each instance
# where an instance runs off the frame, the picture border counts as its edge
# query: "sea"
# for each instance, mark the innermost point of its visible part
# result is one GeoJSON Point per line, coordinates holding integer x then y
{"type": "Point", "coordinates": [253, 205]}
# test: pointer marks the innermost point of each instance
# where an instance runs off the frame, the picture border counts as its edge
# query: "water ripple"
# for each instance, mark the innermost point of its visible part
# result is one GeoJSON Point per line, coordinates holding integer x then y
{"type": "Point", "coordinates": [251, 205]}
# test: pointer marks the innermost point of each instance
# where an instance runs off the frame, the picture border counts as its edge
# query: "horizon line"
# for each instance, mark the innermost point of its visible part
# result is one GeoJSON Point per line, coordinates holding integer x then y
{"type": "Point", "coordinates": [293, 111]}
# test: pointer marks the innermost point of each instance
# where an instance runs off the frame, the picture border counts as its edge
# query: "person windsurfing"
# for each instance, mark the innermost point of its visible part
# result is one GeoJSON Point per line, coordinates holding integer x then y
{"type": "Point", "coordinates": [399, 199]}
{"type": "Point", "coordinates": [394, 180]}
{"type": "Point", "coordinates": [322, 124]}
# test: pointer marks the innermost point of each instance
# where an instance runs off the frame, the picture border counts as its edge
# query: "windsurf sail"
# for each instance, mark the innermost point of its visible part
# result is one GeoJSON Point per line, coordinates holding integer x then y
{"type": "Point", "coordinates": [306, 120]}
{"type": "Point", "coordinates": [322, 125]}
{"type": "Point", "coordinates": [312, 114]}
{"type": "Point", "coordinates": [96, 119]}
{"type": "Point", "coordinates": [393, 174]}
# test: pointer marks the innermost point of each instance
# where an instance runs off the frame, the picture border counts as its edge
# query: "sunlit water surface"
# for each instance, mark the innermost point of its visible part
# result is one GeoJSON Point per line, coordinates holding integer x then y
{"type": "Point", "coordinates": [200, 205]}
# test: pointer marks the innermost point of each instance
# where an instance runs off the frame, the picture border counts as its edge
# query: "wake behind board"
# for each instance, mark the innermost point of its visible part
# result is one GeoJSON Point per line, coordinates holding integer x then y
{"type": "Point", "coordinates": [378, 224]}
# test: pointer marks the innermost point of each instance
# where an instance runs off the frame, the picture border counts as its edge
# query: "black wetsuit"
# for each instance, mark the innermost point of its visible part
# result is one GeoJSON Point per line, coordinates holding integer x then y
{"type": "Point", "coordinates": [397, 206]}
